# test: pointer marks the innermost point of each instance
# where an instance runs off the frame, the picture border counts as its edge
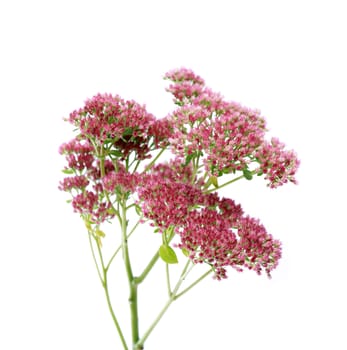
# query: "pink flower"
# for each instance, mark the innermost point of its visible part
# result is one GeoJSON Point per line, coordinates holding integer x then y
{"type": "Point", "coordinates": [79, 154]}
{"type": "Point", "coordinates": [221, 241]}
{"type": "Point", "coordinates": [175, 170]}
{"type": "Point", "coordinates": [209, 136]}
{"type": "Point", "coordinates": [166, 202]}
{"type": "Point", "coordinates": [120, 181]}
{"type": "Point", "coordinates": [86, 188]}
{"type": "Point", "coordinates": [182, 75]}
{"type": "Point", "coordinates": [227, 136]}
{"type": "Point", "coordinates": [89, 203]}
{"type": "Point", "coordinates": [278, 165]}
{"type": "Point", "coordinates": [124, 124]}
{"type": "Point", "coordinates": [74, 182]}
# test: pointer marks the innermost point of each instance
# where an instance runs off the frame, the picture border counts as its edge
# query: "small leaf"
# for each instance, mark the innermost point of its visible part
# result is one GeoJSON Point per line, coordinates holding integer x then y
{"type": "Point", "coordinates": [138, 210]}
{"type": "Point", "coordinates": [214, 181]}
{"type": "Point", "coordinates": [99, 233]}
{"type": "Point", "coordinates": [128, 131]}
{"type": "Point", "coordinates": [247, 174]}
{"type": "Point", "coordinates": [68, 171]}
{"type": "Point", "coordinates": [111, 211]}
{"type": "Point", "coordinates": [88, 225]}
{"type": "Point", "coordinates": [185, 252]}
{"type": "Point", "coordinates": [168, 254]}
{"type": "Point", "coordinates": [189, 158]}
{"type": "Point", "coordinates": [116, 153]}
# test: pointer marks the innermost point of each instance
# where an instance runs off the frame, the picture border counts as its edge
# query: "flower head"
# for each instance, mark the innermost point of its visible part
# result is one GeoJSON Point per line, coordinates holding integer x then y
{"type": "Point", "coordinates": [126, 125]}
{"type": "Point", "coordinates": [278, 165]}
{"type": "Point", "coordinates": [225, 135]}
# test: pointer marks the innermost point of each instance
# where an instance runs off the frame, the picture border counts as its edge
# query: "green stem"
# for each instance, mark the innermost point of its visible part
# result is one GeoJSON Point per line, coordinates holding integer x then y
{"type": "Point", "coordinates": [194, 284]}
{"type": "Point", "coordinates": [149, 166]}
{"type": "Point", "coordinates": [225, 184]}
{"type": "Point", "coordinates": [196, 167]}
{"type": "Point", "coordinates": [148, 268]}
{"type": "Point", "coordinates": [154, 259]}
{"type": "Point", "coordinates": [168, 279]}
{"type": "Point", "coordinates": [120, 247]}
{"type": "Point", "coordinates": [184, 274]}
{"type": "Point", "coordinates": [121, 336]}
{"type": "Point", "coordinates": [94, 257]}
{"type": "Point", "coordinates": [130, 276]}
{"type": "Point", "coordinates": [137, 165]}
{"type": "Point", "coordinates": [109, 304]}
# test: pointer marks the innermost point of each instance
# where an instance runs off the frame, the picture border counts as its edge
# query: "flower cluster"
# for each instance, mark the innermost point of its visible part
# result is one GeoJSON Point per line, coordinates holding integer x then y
{"type": "Point", "coordinates": [209, 137]}
{"type": "Point", "coordinates": [79, 154]}
{"type": "Point", "coordinates": [120, 180]}
{"type": "Point", "coordinates": [125, 125]}
{"type": "Point", "coordinates": [211, 230]}
{"type": "Point", "coordinates": [84, 180]}
{"type": "Point", "coordinates": [225, 135]}
{"type": "Point", "coordinates": [278, 164]}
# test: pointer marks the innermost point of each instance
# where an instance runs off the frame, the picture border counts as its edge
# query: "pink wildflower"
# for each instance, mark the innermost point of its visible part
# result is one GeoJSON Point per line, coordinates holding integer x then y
{"type": "Point", "coordinates": [124, 124]}
{"type": "Point", "coordinates": [89, 203]}
{"type": "Point", "coordinates": [256, 249]}
{"type": "Point", "coordinates": [120, 180]}
{"type": "Point", "coordinates": [222, 241]}
{"type": "Point", "coordinates": [77, 182]}
{"type": "Point", "coordinates": [79, 154]}
{"type": "Point", "coordinates": [205, 131]}
{"type": "Point", "coordinates": [278, 165]}
{"type": "Point", "coordinates": [175, 170]}
{"type": "Point", "coordinates": [166, 202]}
{"type": "Point", "coordinates": [184, 74]}
{"type": "Point", "coordinates": [86, 188]}
{"type": "Point", "coordinates": [226, 136]}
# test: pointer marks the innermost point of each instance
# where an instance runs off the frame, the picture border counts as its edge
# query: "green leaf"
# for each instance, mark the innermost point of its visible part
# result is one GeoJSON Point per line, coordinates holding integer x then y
{"type": "Point", "coordinates": [128, 131]}
{"type": "Point", "coordinates": [189, 158]}
{"type": "Point", "coordinates": [138, 210]}
{"type": "Point", "coordinates": [185, 252]}
{"type": "Point", "coordinates": [214, 181]}
{"type": "Point", "coordinates": [99, 233]}
{"type": "Point", "coordinates": [168, 254]}
{"type": "Point", "coordinates": [68, 171]}
{"type": "Point", "coordinates": [111, 211]}
{"type": "Point", "coordinates": [116, 153]}
{"type": "Point", "coordinates": [247, 174]}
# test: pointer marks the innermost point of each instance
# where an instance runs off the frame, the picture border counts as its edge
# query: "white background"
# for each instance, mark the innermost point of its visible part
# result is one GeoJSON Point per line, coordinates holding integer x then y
{"type": "Point", "coordinates": [287, 58]}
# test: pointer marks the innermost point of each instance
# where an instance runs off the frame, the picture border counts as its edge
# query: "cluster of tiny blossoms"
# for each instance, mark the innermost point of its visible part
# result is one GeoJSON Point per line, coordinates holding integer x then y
{"type": "Point", "coordinates": [208, 137]}
{"type": "Point", "coordinates": [225, 135]}
{"type": "Point", "coordinates": [84, 182]}
{"type": "Point", "coordinates": [212, 230]}
{"type": "Point", "coordinates": [124, 124]}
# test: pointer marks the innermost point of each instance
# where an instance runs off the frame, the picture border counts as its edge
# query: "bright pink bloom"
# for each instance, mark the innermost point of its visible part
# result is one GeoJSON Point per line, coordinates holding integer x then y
{"type": "Point", "coordinates": [226, 136]}
{"type": "Point", "coordinates": [166, 202]}
{"type": "Point", "coordinates": [121, 181]}
{"type": "Point", "coordinates": [86, 188]}
{"type": "Point", "coordinates": [74, 182]}
{"type": "Point", "coordinates": [278, 164]}
{"type": "Point", "coordinates": [184, 74]}
{"type": "Point", "coordinates": [79, 154]}
{"type": "Point", "coordinates": [212, 230]}
{"type": "Point", "coordinates": [124, 124]}
{"type": "Point", "coordinates": [218, 136]}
